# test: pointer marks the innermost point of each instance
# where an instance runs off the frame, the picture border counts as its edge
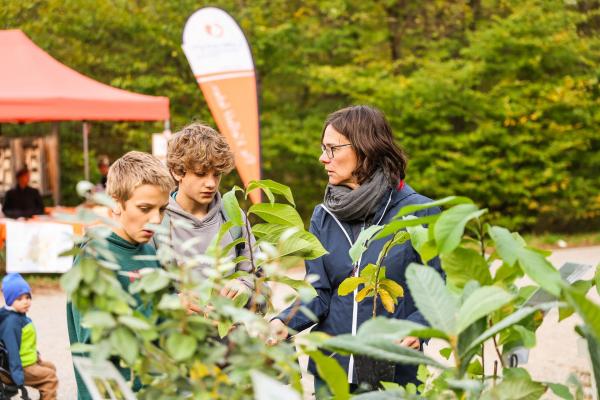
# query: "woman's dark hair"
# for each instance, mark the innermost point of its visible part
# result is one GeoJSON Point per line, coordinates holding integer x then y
{"type": "Point", "coordinates": [371, 136]}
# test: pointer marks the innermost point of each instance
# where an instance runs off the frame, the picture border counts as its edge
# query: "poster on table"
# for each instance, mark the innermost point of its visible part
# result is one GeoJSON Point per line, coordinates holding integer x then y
{"type": "Point", "coordinates": [160, 144]}
{"type": "Point", "coordinates": [221, 61]}
{"type": "Point", "coordinates": [35, 246]}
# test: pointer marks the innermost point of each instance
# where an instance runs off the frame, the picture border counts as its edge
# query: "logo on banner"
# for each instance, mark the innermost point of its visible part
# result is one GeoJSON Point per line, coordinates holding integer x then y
{"type": "Point", "coordinates": [215, 30]}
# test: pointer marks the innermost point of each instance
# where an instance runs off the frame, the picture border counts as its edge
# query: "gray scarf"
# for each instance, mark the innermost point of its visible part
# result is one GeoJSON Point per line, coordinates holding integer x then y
{"type": "Point", "coordinates": [356, 204]}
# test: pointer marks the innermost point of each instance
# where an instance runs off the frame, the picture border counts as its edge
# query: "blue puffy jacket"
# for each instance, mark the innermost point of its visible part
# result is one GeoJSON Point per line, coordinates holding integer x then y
{"type": "Point", "coordinates": [340, 314]}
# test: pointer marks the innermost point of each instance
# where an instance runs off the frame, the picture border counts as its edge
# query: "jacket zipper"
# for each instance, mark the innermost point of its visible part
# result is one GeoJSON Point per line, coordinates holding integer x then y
{"type": "Point", "coordinates": [356, 273]}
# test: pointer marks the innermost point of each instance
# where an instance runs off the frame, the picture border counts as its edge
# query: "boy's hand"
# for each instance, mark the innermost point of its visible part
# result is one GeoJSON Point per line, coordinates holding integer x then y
{"type": "Point", "coordinates": [233, 289]}
{"type": "Point", "coordinates": [278, 332]}
{"type": "Point", "coordinates": [411, 342]}
{"type": "Point", "coordinates": [189, 301]}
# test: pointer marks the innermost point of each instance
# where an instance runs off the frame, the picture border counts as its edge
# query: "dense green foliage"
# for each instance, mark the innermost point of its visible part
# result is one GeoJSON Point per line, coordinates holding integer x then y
{"type": "Point", "coordinates": [212, 351]}
{"type": "Point", "coordinates": [494, 99]}
{"type": "Point", "coordinates": [219, 350]}
{"type": "Point", "coordinates": [475, 304]}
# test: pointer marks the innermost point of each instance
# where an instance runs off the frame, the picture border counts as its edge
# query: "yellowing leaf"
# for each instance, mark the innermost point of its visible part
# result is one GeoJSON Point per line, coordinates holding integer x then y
{"type": "Point", "coordinates": [393, 288]}
{"type": "Point", "coordinates": [349, 284]}
{"type": "Point", "coordinates": [386, 300]}
{"type": "Point", "coordinates": [364, 292]}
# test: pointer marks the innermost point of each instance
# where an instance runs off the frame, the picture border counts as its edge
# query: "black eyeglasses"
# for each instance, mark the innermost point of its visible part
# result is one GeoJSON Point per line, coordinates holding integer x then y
{"type": "Point", "coordinates": [330, 150]}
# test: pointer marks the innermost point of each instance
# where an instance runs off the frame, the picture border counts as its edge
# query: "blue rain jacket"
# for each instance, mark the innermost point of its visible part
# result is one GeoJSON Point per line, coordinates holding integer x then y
{"type": "Point", "coordinates": [334, 312]}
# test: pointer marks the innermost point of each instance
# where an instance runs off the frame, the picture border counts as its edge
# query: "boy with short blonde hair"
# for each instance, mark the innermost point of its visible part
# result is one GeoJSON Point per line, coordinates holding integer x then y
{"type": "Point", "coordinates": [140, 185]}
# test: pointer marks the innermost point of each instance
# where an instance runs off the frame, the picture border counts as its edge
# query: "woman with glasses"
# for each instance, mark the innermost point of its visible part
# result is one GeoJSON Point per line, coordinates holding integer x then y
{"type": "Point", "coordinates": [366, 171]}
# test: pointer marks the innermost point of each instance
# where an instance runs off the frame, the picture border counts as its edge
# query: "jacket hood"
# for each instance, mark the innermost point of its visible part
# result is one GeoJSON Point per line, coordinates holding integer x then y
{"type": "Point", "coordinates": [211, 218]}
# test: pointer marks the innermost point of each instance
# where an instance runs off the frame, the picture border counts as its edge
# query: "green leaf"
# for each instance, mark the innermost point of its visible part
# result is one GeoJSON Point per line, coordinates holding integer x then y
{"type": "Point", "coordinates": [565, 311]}
{"type": "Point", "coordinates": [561, 391]}
{"type": "Point", "coordinates": [540, 271]}
{"type": "Point", "coordinates": [125, 344]}
{"type": "Point", "coordinates": [232, 207]}
{"type": "Point", "coordinates": [154, 281]}
{"type": "Point", "coordinates": [232, 244]}
{"type": "Point", "coordinates": [594, 352]}
{"type": "Point", "coordinates": [382, 350]}
{"type": "Point", "coordinates": [180, 346]}
{"type": "Point", "coordinates": [369, 272]}
{"type": "Point", "coordinates": [534, 264]}
{"type": "Point", "coordinates": [587, 310]}
{"type": "Point", "coordinates": [432, 298]}
{"type": "Point", "coordinates": [99, 319]}
{"type": "Point", "coordinates": [397, 225]}
{"type": "Point", "coordinates": [223, 327]}
{"type": "Point", "coordinates": [169, 302]}
{"type": "Point", "coordinates": [297, 284]}
{"type": "Point", "coordinates": [136, 324]}
{"type": "Point", "coordinates": [270, 187]}
{"type": "Point", "coordinates": [450, 226]}
{"type": "Point", "coordinates": [446, 352]}
{"type": "Point", "coordinates": [506, 245]}
{"type": "Point", "coordinates": [510, 320]}
{"type": "Point", "coordinates": [482, 302]}
{"type": "Point", "coordinates": [527, 336]}
{"type": "Point", "coordinates": [70, 279]}
{"type": "Point", "coordinates": [73, 251]}
{"type": "Point", "coordinates": [241, 299]}
{"type": "Point", "coordinates": [348, 285]}
{"type": "Point", "coordinates": [281, 214]}
{"type": "Point", "coordinates": [360, 245]}
{"type": "Point", "coordinates": [419, 237]}
{"type": "Point", "coordinates": [446, 201]}
{"type": "Point", "coordinates": [302, 243]}
{"type": "Point", "coordinates": [331, 372]}
{"type": "Point", "coordinates": [214, 248]}
{"type": "Point", "coordinates": [465, 339]}
{"type": "Point", "coordinates": [517, 388]}
{"type": "Point", "coordinates": [269, 232]}
{"type": "Point", "coordinates": [463, 265]}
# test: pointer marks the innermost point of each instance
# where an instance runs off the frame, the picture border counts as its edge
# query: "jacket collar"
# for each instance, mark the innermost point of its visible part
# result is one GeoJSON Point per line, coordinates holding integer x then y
{"type": "Point", "coordinates": [399, 193]}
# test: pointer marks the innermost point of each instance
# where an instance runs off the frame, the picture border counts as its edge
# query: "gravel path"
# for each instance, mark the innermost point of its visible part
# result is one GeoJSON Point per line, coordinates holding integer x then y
{"type": "Point", "coordinates": [558, 353]}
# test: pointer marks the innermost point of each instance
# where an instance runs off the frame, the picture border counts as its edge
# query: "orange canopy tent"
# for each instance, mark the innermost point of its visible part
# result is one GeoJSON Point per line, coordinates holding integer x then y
{"type": "Point", "coordinates": [34, 87]}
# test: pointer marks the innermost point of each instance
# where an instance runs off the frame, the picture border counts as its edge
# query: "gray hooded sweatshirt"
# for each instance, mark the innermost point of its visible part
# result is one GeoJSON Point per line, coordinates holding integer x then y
{"type": "Point", "coordinates": [204, 230]}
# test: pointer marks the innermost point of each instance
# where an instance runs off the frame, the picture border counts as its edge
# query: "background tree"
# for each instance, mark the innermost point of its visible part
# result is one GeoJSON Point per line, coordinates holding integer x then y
{"type": "Point", "coordinates": [494, 99]}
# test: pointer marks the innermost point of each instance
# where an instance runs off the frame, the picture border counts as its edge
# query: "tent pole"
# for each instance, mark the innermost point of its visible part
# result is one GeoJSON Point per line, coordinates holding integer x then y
{"type": "Point", "coordinates": [56, 164]}
{"type": "Point", "coordinates": [86, 155]}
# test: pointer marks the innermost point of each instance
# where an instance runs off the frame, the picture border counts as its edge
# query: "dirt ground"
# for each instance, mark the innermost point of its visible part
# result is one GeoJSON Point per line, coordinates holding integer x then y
{"type": "Point", "coordinates": [558, 354]}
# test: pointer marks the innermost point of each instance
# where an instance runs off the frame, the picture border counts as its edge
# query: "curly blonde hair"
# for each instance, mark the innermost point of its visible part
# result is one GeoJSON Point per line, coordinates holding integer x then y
{"type": "Point", "coordinates": [198, 148]}
{"type": "Point", "coordinates": [133, 170]}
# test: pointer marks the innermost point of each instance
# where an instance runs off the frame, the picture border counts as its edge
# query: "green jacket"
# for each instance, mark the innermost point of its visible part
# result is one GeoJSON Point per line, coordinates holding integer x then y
{"type": "Point", "coordinates": [124, 253]}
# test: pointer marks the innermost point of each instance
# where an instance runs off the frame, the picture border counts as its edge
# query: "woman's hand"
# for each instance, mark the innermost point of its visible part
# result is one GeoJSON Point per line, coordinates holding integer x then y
{"type": "Point", "coordinates": [410, 341]}
{"type": "Point", "coordinates": [279, 332]}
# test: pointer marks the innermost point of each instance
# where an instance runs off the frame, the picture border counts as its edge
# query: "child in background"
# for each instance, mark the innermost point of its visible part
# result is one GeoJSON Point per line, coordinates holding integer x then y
{"type": "Point", "coordinates": [19, 337]}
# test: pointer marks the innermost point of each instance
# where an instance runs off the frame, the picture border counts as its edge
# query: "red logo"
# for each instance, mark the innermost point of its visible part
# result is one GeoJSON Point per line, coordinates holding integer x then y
{"type": "Point", "coordinates": [215, 30]}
